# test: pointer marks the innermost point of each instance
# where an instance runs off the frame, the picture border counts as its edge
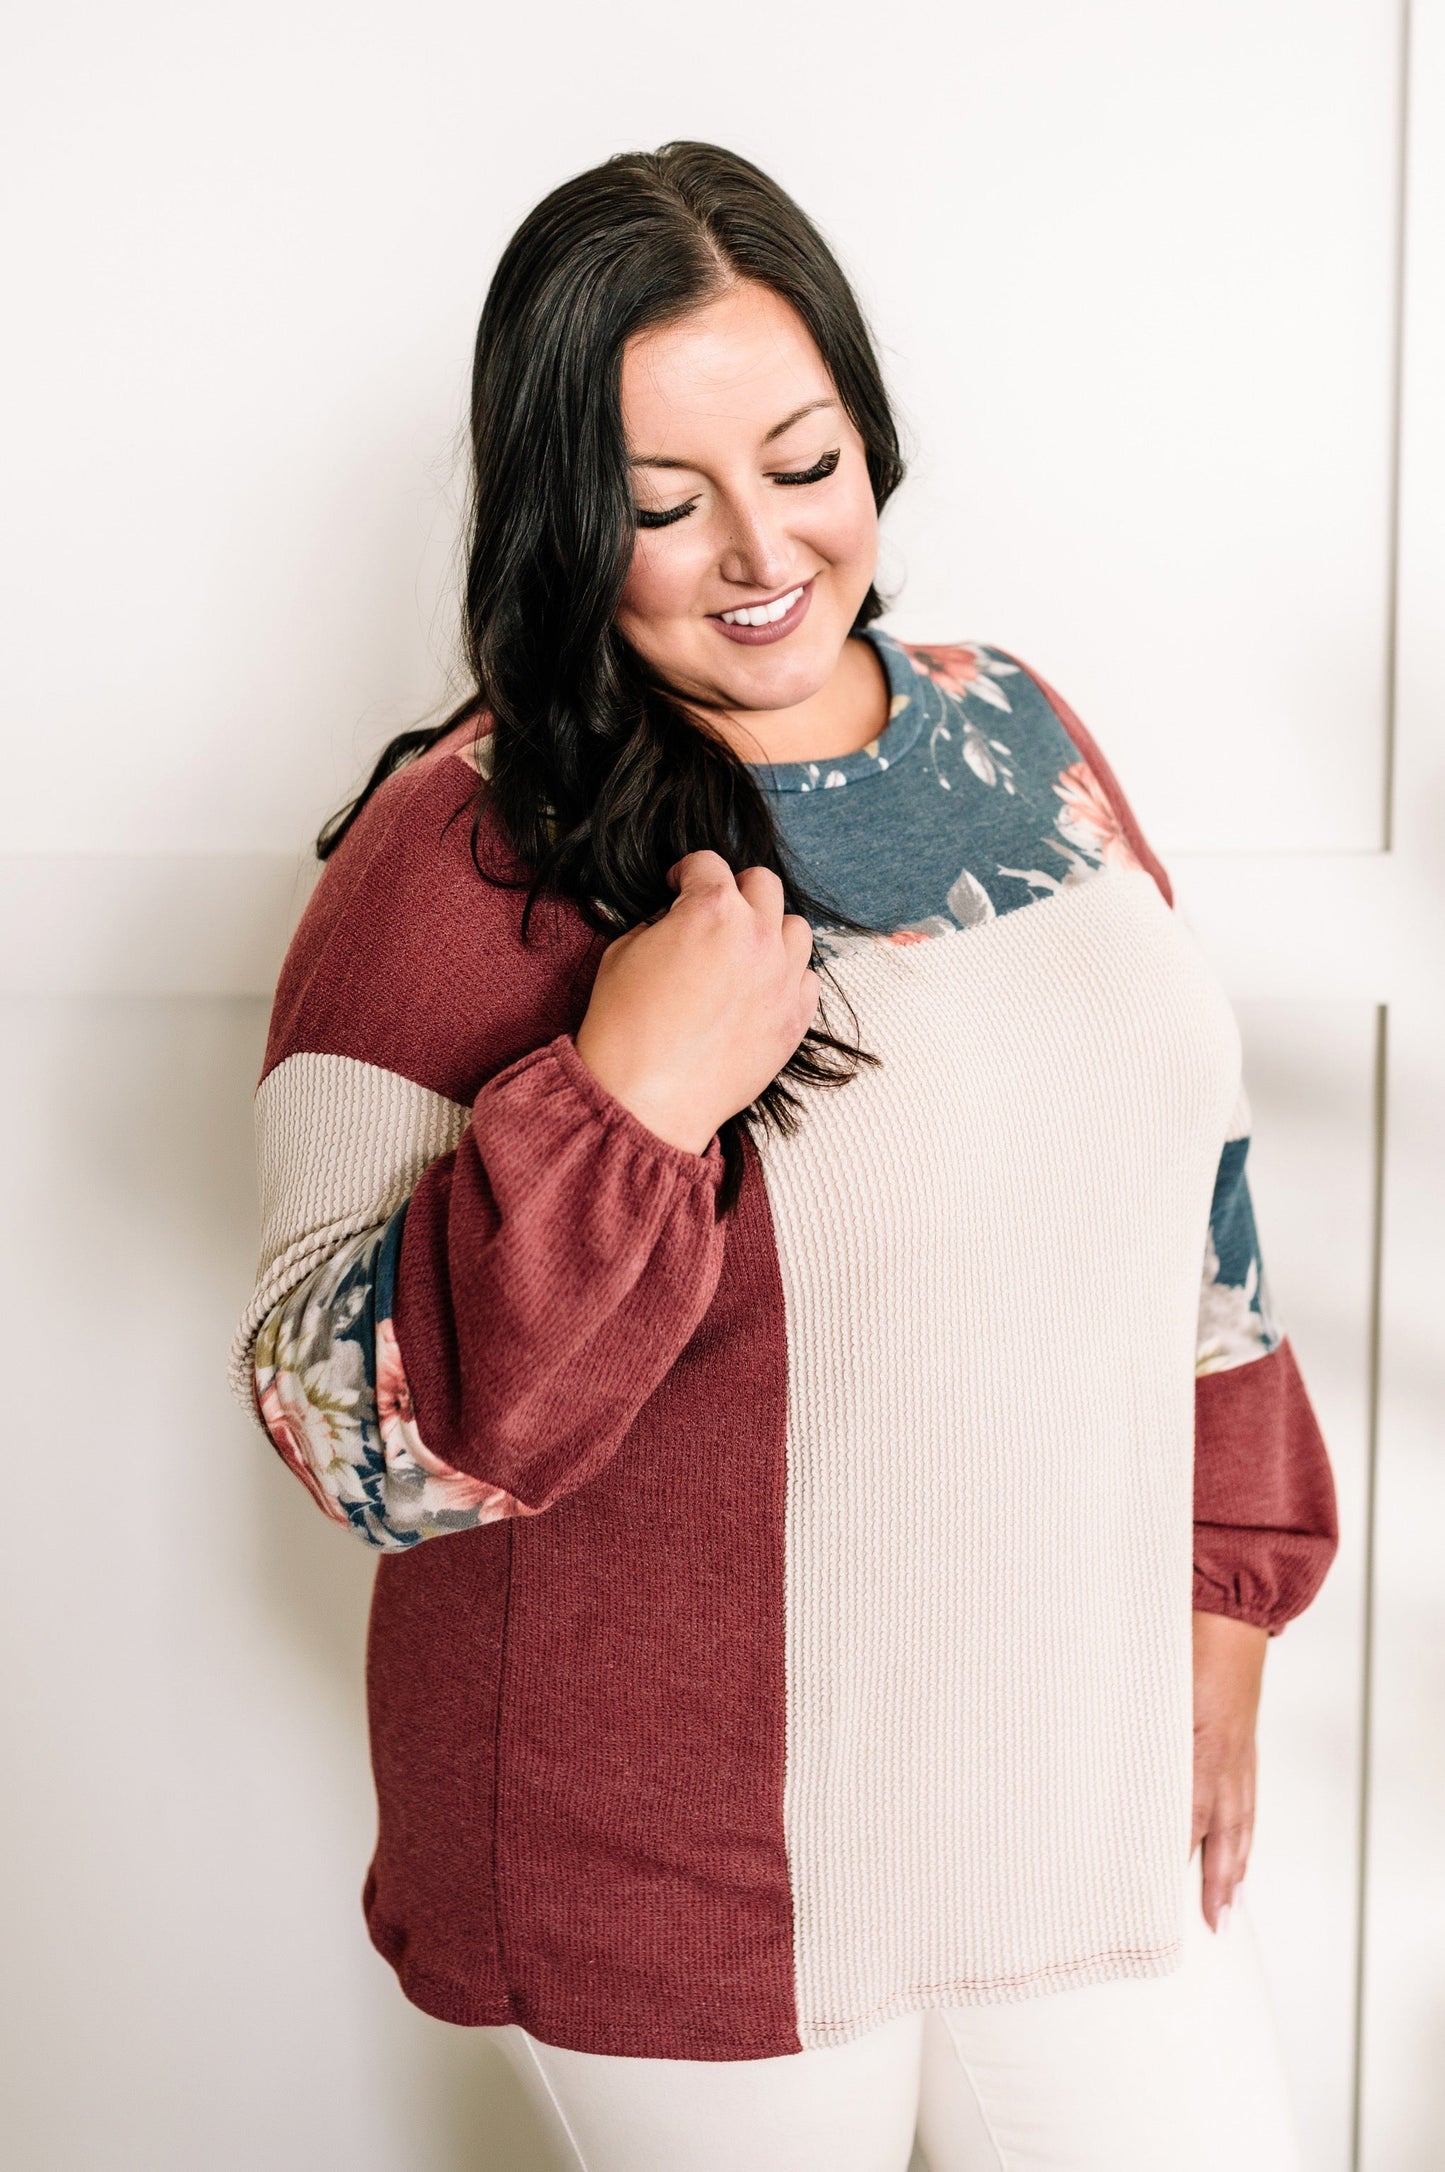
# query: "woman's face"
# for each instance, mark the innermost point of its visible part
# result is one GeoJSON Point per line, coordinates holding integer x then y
{"type": "Point", "coordinates": [734, 427]}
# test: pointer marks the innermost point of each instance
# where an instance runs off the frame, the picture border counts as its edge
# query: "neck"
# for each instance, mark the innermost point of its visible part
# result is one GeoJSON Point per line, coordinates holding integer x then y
{"type": "Point", "coordinates": [846, 713]}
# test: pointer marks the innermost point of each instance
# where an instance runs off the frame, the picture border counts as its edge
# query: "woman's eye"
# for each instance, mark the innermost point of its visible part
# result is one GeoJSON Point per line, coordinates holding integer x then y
{"type": "Point", "coordinates": [646, 519]}
{"type": "Point", "coordinates": [816, 474]}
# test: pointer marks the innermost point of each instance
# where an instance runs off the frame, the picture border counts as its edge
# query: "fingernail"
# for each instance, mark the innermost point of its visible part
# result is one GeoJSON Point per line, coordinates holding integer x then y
{"type": "Point", "coordinates": [1222, 1920]}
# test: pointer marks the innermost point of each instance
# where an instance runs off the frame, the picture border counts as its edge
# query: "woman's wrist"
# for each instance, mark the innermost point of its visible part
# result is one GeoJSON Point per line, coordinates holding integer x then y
{"type": "Point", "coordinates": [642, 1098]}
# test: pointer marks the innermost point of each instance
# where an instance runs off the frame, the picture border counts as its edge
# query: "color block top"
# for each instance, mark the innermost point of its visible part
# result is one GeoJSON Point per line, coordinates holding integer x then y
{"type": "Point", "coordinates": [809, 1636]}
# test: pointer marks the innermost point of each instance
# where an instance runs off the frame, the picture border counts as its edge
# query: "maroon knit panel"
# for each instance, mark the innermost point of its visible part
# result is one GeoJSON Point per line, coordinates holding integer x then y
{"type": "Point", "coordinates": [620, 1715]}
{"type": "Point", "coordinates": [642, 1874]}
{"type": "Point", "coordinates": [577, 1718]}
{"type": "Point", "coordinates": [406, 958]}
{"type": "Point", "coordinates": [552, 1268]}
{"type": "Point", "coordinates": [1113, 791]}
{"type": "Point", "coordinates": [433, 1670]}
{"type": "Point", "coordinates": [1266, 1518]}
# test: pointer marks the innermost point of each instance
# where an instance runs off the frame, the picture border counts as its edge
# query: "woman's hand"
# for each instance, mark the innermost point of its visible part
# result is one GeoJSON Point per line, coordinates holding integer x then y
{"type": "Point", "coordinates": [1228, 1667]}
{"type": "Point", "coordinates": [694, 1012]}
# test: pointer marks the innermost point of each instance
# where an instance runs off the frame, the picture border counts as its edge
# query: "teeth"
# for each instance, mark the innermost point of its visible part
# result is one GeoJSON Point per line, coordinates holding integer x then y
{"type": "Point", "coordinates": [762, 614]}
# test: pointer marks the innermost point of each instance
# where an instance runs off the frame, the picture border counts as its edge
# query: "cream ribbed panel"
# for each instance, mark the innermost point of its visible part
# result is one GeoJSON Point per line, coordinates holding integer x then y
{"type": "Point", "coordinates": [339, 1145]}
{"type": "Point", "coordinates": [1241, 1116]}
{"type": "Point", "coordinates": [990, 1256]}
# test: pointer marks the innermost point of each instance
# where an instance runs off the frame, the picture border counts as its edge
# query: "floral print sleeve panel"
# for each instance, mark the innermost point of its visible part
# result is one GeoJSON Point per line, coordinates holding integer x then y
{"type": "Point", "coordinates": [333, 1395]}
{"type": "Point", "coordinates": [1236, 1317]}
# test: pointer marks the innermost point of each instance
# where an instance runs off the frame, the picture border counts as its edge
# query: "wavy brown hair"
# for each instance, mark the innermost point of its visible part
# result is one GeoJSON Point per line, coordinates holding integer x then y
{"type": "Point", "coordinates": [600, 774]}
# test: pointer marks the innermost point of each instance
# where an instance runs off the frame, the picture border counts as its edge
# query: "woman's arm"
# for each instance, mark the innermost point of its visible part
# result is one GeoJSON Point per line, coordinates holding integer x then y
{"type": "Point", "coordinates": [1265, 1517]}
{"type": "Point", "coordinates": [476, 1262]}
{"type": "Point", "coordinates": [482, 1347]}
{"type": "Point", "coordinates": [466, 1294]}
{"type": "Point", "coordinates": [1265, 1522]}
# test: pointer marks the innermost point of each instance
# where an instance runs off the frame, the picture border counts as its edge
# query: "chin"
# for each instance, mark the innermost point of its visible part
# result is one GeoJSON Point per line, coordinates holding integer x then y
{"type": "Point", "coordinates": [782, 677]}
{"type": "Point", "coordinates": [778, 686]}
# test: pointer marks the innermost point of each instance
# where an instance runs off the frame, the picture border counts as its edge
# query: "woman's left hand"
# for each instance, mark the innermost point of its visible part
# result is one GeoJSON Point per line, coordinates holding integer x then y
{"type": "Point", "coordinates": [1228, 1668]}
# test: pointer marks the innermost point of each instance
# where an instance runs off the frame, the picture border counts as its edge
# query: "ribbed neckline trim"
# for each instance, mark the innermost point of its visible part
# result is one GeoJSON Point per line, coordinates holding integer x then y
{"type": "Point", "coordinates": [898, 735]}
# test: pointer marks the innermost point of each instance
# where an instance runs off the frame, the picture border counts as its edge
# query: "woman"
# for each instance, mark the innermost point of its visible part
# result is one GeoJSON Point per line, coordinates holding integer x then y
{"type": "Point", "coordinates": [867, 1467]}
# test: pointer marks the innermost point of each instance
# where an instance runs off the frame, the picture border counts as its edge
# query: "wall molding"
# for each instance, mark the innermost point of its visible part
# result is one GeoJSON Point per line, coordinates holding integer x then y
{"type": "Point", "coordinates": [199, 924]}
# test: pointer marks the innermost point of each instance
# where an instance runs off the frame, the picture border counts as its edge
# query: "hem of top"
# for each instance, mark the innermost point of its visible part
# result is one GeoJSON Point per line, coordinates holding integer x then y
{"type": "Point", "coordinates": [1121, 1963]}
{"type": "Point", "coordinates": [447, 1999]}
{"type": "Point", "coordinates": [466, 2006]}
{"type": "Point", "coordinates": [703, 1168]}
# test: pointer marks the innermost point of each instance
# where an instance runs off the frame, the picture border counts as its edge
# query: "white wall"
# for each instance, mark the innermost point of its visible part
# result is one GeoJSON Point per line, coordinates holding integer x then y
{"type": "Point", "coordinates": [1137, 275]}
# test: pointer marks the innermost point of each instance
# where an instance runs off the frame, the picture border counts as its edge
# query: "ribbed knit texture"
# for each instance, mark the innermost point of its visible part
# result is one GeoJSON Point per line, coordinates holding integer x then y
{"type": "Point", "coordinates": [990, 1449]}
{"type": "Point", "coordinates": [339, 1146]}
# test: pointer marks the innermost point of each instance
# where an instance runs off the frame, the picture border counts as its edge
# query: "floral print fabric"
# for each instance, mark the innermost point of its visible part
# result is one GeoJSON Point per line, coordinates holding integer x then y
{"type": "Point", "coordinates": [971, 803]}
{"type": "Point", "coordinates": [1236, 1318]}
{"type": "Point", "coordinates": [333, 1397]}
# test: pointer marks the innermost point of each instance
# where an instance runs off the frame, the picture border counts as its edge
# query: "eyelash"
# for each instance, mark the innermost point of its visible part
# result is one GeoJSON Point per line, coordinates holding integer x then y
{"type": "Point", "coordinates": [817, 474]}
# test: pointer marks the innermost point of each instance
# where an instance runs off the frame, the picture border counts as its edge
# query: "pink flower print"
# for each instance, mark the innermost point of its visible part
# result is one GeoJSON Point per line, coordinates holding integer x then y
{"type": "Point", "coordinates": [393, 1389]}
{"type": "Point", "coordinates": [299, 1435]}
{"type": "Point", "coordinates": [955, 668]}
{"type": "Point", "coordinates": [1088, 820]}
{"type": "Point", "coordinates": [404, 1449]}
{"type": "Point", "coordinates": [962, 668]}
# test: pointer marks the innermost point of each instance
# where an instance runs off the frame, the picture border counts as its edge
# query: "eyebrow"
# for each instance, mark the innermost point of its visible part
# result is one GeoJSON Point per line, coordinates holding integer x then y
{"type": "Point", "coordinates": [660, 460]}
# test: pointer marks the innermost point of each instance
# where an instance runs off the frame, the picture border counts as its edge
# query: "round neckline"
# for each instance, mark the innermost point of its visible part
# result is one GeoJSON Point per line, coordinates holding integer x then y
{"type": "Point", "coordinates": [905, 722]}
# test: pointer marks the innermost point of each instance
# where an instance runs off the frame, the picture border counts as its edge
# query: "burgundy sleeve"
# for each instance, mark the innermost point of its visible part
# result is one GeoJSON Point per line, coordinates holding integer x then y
{"type": "Point", "coordinates": [1266, 1523]}
{"type": "Point", "coordinates": [553, 1267]}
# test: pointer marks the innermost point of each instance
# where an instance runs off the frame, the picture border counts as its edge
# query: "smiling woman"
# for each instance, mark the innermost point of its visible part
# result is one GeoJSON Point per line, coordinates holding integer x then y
{"type": "Point", "coordinates": [772, 544]}
{"type": "Point", "coordinates": [828, 1540]}
{"type": "Point", "coordinates": [677, 414]}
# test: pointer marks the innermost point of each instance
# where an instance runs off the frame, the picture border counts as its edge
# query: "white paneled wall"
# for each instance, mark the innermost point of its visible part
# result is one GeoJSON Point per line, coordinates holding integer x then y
{"type": "Point", "coordinates": [188, 1810]}
{"type": "Point", "coordinates": [1132, 266]}
{"type": "Point", "coordinates": [1403, 1961]}
{"type": "Point", "coordinates": [1140, 282]}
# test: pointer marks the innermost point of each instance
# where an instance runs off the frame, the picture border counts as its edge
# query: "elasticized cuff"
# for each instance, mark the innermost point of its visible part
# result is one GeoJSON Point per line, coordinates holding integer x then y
{"type": "Point", "coordinates": [560, 1055]}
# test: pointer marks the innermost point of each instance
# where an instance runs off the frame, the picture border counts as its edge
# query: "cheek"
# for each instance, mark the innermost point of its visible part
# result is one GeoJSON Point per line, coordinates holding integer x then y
{"type": "Point", "coordinates": [663, 577]}
{"type": "Point", "coordinates": [845, 529]}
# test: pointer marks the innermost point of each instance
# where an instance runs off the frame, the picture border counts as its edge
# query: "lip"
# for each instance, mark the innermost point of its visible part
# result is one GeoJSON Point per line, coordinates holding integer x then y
{"type": "Point", "coordinates": [753, 637]}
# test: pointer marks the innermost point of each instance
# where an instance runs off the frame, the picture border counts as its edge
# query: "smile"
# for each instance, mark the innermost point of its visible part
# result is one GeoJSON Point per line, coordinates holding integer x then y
{"type": "Point", "coordinates": [757, 622]}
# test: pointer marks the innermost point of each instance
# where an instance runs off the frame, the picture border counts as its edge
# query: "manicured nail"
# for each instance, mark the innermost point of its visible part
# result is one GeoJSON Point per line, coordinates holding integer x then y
{"type": "Point", "coordinates": [1222, 1920]}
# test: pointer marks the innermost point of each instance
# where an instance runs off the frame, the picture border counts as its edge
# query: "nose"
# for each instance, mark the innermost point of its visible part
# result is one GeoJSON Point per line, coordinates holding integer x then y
{"type": "Point", "coordinates": [758, 552]}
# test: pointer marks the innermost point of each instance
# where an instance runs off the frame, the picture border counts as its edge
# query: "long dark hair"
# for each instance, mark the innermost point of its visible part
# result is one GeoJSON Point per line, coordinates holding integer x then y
{"type": "Point", "coordinates": [600, 776]}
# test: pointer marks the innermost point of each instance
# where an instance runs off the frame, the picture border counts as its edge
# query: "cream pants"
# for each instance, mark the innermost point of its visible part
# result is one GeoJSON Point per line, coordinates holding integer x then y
{"type": "Point", "coordinates": [1176, 2073]}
